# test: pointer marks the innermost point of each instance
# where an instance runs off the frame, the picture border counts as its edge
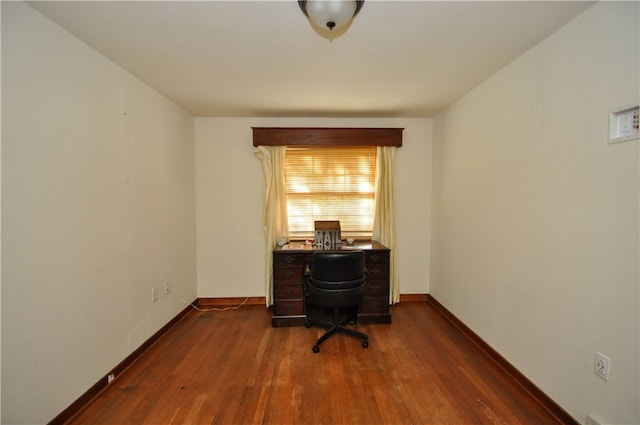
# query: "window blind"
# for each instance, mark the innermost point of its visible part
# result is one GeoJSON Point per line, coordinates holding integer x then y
{"type": "Point", "coordinates": [330, 183]}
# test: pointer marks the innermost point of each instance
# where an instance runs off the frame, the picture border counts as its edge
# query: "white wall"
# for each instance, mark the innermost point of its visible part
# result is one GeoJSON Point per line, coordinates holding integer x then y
{"type": "Point", "coordinates": [98, 206]}
{"type": "Point", "coordinates": [536, 216]}
{"type": "Point", "coordinates": [230, 200]}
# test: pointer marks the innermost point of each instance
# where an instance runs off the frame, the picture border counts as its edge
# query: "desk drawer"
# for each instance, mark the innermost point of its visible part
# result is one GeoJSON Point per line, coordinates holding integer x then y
{"type": "Point", "coordinates": [288, 290]}
{"type": "Point", "coordinates": [377, 272]}
{"type": "Point", "coordinates": [288, 307]}
{"type": "Point", "coordinates": [290, 259]}
{"type": "Point", "coordinates": [375, 305]}
{"type": "Point", "coordinates": [376, 289]}
{"type": "Point", "coordinates": [288, 274]}
{"type": "Point", "coordinates": [376, 257]}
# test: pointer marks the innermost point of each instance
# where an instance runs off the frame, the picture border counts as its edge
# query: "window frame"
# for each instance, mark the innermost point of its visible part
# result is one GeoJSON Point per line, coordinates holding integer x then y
{"type": "Point", "coordinates": [326, 136]}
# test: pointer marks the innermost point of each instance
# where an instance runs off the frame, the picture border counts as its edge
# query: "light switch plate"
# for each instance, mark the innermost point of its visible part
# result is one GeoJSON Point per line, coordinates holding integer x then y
{"type": "Point", "coordinates": [623, 124]}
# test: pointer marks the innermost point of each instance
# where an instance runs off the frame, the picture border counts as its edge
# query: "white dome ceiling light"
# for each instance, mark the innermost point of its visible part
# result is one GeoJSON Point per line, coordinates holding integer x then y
{"type": "Point", "coordinates": [330, 14]}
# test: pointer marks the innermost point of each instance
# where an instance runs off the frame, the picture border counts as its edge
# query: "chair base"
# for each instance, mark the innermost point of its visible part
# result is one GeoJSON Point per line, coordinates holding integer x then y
{"type": "Point", "coordinates": [336, 327]}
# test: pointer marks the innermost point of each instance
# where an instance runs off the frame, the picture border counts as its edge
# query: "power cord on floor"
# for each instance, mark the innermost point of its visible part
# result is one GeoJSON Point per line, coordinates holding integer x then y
{"type": "Point", "coordinates": [195, 307]}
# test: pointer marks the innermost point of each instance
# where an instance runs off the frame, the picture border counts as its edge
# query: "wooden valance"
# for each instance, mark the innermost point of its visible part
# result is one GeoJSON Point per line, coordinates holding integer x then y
{"type": "Point", "coordinates": [326, 136]}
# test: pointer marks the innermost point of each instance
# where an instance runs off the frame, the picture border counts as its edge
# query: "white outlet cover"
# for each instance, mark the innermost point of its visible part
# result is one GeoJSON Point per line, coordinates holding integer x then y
{"type": "Point", "coordinates": [601, 366]}
{"type": "Point", "coordinates": [623, 124]}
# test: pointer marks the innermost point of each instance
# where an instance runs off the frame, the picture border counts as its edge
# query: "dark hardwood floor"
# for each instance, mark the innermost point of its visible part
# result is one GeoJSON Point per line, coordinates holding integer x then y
{"type": "Point", "coordinates": [232, 367]}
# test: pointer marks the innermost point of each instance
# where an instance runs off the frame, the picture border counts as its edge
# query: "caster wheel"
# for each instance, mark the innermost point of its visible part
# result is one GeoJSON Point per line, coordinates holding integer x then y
{"type": "Point", "coordinates": [365, 343]}
{"type": "Point", "coordinates": [316, 349]}
{"type": "Point", "coordinates": [307, 324]}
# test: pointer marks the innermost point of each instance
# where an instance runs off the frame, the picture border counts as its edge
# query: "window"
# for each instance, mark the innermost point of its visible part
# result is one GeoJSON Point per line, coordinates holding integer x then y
{"type": "Point", "coordinates": [330, 183]}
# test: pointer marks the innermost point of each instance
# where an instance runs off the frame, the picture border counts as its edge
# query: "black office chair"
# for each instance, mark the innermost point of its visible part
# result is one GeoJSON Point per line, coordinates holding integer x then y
{"type": "Point", "coordinates": [336, 280]}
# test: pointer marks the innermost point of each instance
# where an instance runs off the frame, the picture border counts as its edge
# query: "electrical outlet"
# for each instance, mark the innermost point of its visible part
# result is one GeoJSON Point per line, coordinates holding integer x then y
{"type": "Point", "coordinates": [167, 287]}
{"type": "Point", "coordinates": [601, 366]}
{"type": "Point", "coordinates": [154, 294]}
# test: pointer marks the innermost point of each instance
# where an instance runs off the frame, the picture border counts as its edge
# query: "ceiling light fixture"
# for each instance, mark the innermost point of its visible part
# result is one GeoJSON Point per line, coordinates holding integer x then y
{"type": "Point", "coordinates": [331, 14]}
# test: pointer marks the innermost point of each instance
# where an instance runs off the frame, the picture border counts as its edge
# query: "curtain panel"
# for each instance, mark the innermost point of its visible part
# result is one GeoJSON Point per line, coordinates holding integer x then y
{"type": "Point", "coordinates": [384, 220]}
{"type": "Point", "coordinates": [275, 219]}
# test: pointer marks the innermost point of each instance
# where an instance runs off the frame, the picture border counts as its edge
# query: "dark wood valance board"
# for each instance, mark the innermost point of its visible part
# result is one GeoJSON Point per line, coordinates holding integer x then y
{"type": "Point", "coordinates": [326, 136]}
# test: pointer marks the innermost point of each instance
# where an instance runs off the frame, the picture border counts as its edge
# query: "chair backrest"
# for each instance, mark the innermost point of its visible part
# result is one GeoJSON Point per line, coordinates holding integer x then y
{"type": "Point", "coordinates": [337, 279]}
{"type": "Point", "coordinates": [338, 266]}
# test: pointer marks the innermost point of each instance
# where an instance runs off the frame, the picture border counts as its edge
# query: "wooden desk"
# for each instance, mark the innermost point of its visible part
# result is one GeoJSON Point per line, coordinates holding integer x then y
{"type": "Point", "coordinates": [289, 262]}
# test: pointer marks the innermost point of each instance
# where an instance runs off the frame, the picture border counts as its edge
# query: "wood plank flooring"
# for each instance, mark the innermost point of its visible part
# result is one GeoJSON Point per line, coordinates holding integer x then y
{"type": "Point", "coordinates": [232, 367]}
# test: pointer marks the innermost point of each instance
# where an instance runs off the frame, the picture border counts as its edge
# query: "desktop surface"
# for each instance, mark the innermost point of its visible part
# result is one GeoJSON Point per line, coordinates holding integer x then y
{"type": "Point", "coordinates": [356, 245]}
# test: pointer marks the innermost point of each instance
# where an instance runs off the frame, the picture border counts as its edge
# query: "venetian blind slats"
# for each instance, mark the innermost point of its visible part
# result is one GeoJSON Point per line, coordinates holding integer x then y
{"type": "Point", "coordinates": [330, 183]}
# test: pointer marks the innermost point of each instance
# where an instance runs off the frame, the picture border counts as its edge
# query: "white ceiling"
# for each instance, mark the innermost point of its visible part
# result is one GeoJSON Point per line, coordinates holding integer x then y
{"type": "Point", "coordinates": [263, 58]}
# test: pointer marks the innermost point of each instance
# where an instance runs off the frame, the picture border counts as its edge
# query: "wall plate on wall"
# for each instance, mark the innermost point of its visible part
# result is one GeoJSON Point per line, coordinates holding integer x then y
{"type": "Point", "coordinates": [623, 124]}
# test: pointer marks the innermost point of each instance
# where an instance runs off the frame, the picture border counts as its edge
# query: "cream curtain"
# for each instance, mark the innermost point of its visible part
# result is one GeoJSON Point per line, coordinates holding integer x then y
{"type": "Point", "coordinates": [275, 208]}
{"type": "Point", "coordinates": [384, 221]}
